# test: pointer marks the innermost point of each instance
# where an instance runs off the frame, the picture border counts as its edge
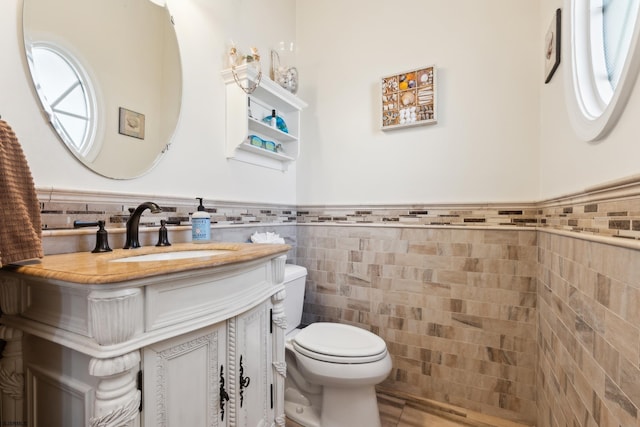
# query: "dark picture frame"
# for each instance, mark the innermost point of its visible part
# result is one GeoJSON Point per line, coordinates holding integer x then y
{"type": "Point", "coordinates": [552, 46]}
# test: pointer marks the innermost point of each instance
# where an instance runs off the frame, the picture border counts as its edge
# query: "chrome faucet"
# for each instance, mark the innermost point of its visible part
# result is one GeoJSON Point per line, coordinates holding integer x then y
{"type": "Point", "coordinates": [133, 224]}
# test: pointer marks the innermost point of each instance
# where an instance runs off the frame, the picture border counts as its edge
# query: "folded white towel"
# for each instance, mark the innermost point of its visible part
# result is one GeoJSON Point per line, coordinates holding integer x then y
{"type": "Point", "coordinates": [267, 237]}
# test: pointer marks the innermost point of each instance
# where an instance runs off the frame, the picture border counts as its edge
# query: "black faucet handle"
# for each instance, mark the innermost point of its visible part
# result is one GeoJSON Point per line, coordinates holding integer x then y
{"type": "Point", "coordinates": [102, 237]}
{"type": "Point", "coordinates": [163, 234]}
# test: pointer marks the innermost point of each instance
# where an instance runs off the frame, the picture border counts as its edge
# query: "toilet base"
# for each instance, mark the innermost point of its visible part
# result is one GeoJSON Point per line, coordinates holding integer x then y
{"type": "Point", "coordinates": [306, 416]}
{"type": "Point", "coordinates": [299, 408]}
{"type": "Point", "coordinates": [362, 409]}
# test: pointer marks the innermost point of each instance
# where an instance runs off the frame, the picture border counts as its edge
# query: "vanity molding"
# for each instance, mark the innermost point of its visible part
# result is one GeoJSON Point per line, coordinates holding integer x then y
{"type": "Point", "coordinates": [152, 343]}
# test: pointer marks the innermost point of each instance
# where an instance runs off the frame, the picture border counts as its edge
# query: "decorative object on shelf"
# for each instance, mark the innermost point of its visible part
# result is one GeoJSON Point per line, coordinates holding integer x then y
{"type": "Point", "coordinates": [256, 141]}
{"type": "Point", "coordinates": [285, 76]}
{"type": "Point", "coordinates": [409, 98]}
{"type": "Point", "coordinates": [279, 123]}
{"type": "Point", "coordinates": [236, 59]}
{"type": "Point", "coordinates": [272, 120]}
{"type": "Point", "coordinates": [131, 123]}
{"type": "Point", "coordinates": [552, 46]}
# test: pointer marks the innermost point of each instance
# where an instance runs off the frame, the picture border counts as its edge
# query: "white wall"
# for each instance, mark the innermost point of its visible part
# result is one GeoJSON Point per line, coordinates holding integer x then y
{"type": "Point", "coordinates": [502, 135]}
{"type": "Point", "coordinates": [567, 163]}
{"type": "Point", "coordinates": [196, 164]}
{"type": "Point", "coordinates": [484, 148]}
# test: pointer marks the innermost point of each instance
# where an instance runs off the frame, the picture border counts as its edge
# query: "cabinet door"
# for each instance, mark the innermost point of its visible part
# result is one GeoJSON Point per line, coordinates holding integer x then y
{"type": "Point", "coordinates": [184, 378]}
{"type": "Point", "coordinates": [253, 377]}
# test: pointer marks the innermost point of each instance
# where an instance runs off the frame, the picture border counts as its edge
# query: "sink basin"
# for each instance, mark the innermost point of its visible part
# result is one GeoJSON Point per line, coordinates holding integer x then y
{"type": "Point", "coordinates": [171, 256]}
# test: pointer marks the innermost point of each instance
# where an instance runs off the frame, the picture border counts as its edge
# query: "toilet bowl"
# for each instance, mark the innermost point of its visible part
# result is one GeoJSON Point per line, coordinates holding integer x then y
{"type": "Point", "coordinates": [332, 368]}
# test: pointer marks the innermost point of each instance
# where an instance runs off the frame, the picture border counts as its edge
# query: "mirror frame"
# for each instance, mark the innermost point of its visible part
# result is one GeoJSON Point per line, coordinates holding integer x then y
{"type": "Point", "coordinates": [116, 152]}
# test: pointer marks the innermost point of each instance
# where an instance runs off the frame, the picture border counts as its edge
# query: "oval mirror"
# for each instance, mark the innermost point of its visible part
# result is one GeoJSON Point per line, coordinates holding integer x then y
{"type": "Point", "coordinates": [108, 77]}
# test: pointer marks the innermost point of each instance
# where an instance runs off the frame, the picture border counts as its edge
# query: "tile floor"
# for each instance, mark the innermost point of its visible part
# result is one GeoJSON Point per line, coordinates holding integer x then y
{"type": "Point", "coordinates": [408, 411]}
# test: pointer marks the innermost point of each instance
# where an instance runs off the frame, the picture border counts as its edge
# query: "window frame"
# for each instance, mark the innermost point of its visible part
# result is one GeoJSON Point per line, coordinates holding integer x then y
{"type": "Point", "coordinates": [86, 147]}
{"type": "Point", "coordinates": [594, 107]}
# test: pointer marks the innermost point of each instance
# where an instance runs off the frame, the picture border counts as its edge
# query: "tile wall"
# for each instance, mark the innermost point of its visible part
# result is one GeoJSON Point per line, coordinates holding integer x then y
{"type": "Point", "coordinates": [588, 333]}
{"type": "Point", "coordinates": [526, 311]}
{"type": "Point", "coordinates": [456, 307]}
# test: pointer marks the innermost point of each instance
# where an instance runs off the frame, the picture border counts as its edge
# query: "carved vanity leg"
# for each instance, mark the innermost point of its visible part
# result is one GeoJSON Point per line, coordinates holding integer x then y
{"type": "Point", "coordinates": [12, 411]}
{"type": "Point", "coordinates": [280, 326]}
{"type": "Point", "coordinates": [12, 378]}
{"type": "Point", "coordinates": [117, 397]}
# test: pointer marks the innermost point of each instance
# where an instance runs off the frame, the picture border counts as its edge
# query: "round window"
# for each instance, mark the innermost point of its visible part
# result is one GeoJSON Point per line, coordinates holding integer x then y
{"type": "Point", "coordinates": [603, 61]}
{"type": "Point", "coordinates": [66, 94]}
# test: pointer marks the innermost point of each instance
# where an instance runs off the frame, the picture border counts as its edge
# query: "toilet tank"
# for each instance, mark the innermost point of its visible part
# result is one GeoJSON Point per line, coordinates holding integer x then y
{"type": "Point", "coordinates": [294, 282]}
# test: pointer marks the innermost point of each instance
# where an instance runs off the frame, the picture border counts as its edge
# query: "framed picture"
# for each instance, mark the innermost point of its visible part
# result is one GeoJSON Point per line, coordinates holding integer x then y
{"type": "Point", "coordinates": [552, 46]}
{"type": "Point", "coordinates": [131, 123]}
{"type": "Point", "coordinates": [409, 98]}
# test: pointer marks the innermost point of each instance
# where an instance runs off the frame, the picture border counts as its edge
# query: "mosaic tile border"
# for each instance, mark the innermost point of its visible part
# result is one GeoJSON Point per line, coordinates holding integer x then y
{"type": "Point", "coordinates": [60, 209]}
{"type": "Point", "coordinates": [457, 215]}
{"type": "Point", "coordinates": [608, 210]}
{"type": "Point", "coordinates": [618, 218]}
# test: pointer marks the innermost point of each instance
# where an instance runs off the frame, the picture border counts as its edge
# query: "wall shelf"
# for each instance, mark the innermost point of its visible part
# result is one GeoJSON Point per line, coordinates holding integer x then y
{"type": "Point", "coordinates": [244, 115]}
{"type": "Point", "coordinates": [259, 126]}
{"type": "Point", "coordinates": [263, 152]}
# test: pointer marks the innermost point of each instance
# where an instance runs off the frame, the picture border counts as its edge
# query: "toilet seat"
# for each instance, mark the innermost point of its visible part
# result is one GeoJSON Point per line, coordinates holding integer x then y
{"type": "Point", "coordinates": [339, 343]}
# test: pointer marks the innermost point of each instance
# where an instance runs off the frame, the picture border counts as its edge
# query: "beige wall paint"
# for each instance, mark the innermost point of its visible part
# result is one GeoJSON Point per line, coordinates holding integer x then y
{"type": "Point", "coordinates": [195, 164]}
{"type": "Point", "coordinates": [503, 135]}
{"type": "Point", "coordinates": [484, 148]}
{"type": "Point", "coordinates": [568, 164]}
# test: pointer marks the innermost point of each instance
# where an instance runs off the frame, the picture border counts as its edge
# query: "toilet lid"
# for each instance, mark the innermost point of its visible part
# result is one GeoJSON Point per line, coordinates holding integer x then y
{"type": "Point", "coordinates": [335, 342]}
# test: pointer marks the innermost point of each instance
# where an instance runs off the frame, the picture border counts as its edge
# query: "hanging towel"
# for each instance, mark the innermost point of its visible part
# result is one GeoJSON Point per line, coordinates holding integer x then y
{"type": "Point", "coordinates": [20, 222]}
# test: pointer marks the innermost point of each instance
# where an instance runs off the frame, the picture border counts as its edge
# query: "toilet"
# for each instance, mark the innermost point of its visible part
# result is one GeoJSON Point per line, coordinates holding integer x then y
{"type": "Point", "coordinates": [332, 368]}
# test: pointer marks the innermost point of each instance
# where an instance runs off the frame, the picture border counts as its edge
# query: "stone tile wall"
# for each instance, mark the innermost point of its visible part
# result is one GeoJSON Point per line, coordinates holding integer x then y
{"type": "Point", "coordinates": [457, 307]}
{"type": "Point", "coordinates": [588, 333]}
{"type": "Point", "coordinates": [470, 314]}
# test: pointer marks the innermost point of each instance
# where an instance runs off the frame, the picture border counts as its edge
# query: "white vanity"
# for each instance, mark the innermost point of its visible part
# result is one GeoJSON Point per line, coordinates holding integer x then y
{"type": "Point", "coordinates": [93, 341]}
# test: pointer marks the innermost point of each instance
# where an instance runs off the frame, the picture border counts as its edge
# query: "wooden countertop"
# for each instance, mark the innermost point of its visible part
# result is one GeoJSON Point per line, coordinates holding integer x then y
{"type": "Point", "coordinates": [90, 268]}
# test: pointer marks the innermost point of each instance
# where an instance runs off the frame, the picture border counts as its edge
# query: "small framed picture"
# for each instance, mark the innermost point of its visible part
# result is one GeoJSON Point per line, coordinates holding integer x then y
{"type": "Point", "coordinates": [409, 98]}
{"type": "Point", "coordinates": [552, 46]}
{"type": "Point", "coordinates": [131, 123]}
